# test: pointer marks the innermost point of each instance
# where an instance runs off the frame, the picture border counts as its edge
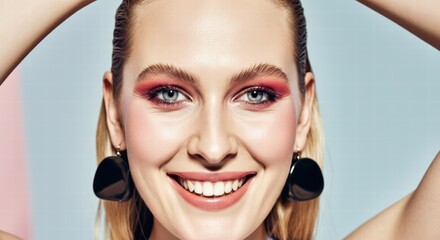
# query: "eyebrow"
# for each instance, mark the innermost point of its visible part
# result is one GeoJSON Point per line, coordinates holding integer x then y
{"type": "Point", "coordinates": [169, 70]}
{"type": "Point", "coordinates": [256, 70]}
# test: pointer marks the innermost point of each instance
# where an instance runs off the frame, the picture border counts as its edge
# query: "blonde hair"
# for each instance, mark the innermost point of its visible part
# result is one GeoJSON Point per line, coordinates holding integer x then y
{"type": "Point", "coordinates": [133, 220]}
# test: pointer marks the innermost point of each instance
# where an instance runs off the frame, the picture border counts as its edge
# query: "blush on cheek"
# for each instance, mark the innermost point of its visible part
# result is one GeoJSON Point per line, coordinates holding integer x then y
{"type": "Point", "coordinates": [271, 140]}
{"type": "Point", "coordinates": [150, 140]}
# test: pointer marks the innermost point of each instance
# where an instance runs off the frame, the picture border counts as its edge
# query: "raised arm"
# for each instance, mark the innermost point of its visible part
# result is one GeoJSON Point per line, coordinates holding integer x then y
{"type": "Point", "coordinates": [421, 17]}
{"type": "Point", "coordinates": [24, 23]}
{"type": "Point", "coordinates": [416, 216]}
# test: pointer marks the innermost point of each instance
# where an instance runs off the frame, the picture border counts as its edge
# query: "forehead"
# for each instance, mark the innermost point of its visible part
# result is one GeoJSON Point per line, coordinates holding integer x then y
{"type": "Point", "coordinates": [226, 35]}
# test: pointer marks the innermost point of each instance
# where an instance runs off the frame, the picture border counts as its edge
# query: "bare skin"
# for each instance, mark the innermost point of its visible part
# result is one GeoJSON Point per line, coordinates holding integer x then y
{"type": "Point", "coordinates": [7, 236]}
{"type": "Point", "coordinates": [23, 25]}
{"type": "Point", "coordinates": [413, 217]}
{"type": "Point", "coordinates": [421, 17]}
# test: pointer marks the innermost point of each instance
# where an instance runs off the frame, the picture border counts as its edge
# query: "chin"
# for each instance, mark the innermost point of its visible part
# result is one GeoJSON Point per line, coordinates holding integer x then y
{"type": "Point", "coordinates": [214, 229]}
{"type": "Point", "coordinates": [239, 214]}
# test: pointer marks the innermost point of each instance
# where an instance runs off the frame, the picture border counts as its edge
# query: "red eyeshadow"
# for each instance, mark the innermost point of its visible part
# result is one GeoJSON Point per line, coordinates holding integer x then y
{"type": "Point", "coordinates": [144, 86]}
{"type": "Point", "coordinates": [280, 87]}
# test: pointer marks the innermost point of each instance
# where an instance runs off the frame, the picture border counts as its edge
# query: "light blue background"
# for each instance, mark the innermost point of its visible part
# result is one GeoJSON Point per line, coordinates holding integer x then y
{"type": "Point", "coordinates": [377, 85]}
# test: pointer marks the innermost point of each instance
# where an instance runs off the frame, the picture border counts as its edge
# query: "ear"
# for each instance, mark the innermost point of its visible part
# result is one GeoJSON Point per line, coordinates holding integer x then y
{"type": "Point", "coordinates": [114, 123]}
{"type": "Point", "coordinates": [305, 116]}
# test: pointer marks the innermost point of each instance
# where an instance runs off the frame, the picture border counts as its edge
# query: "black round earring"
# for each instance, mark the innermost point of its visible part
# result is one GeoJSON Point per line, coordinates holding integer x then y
{"type": "Point", "coordinates": [112, 178]}
{"type": "Point", "coordinates": [305, 180]}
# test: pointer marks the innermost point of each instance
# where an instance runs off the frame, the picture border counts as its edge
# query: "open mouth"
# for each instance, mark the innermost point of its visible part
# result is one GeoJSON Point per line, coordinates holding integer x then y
{"type": "Point", "coordinates": [211, 188]}
{"type": "Point", "coordinates": [211, 191]}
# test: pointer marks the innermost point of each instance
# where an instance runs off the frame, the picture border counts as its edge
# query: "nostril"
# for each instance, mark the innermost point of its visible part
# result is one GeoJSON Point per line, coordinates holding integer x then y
{"type": "Point", "coordinates": [213, 150]}
{"type": "Point", "coordinates": [210, 164]}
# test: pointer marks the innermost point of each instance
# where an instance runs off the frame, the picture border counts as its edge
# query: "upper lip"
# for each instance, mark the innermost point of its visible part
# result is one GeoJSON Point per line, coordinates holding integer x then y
{"type": "Point", "coordinates": [212, 177]}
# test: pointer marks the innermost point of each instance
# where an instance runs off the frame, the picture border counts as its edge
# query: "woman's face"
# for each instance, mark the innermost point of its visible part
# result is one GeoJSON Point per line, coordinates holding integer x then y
{"type": "Point", "coordinates": [209, 110]}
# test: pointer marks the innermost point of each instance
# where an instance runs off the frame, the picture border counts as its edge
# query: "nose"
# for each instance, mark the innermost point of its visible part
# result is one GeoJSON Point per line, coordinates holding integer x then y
{"type": "Point", "coordinates": [213, 141]}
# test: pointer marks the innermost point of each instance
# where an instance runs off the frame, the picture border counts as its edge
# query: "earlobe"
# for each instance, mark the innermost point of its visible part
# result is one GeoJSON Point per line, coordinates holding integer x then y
{"type": "Point", "coordinates": [114, 123]}
{"type": "Point", "coordinates": [305, 116]}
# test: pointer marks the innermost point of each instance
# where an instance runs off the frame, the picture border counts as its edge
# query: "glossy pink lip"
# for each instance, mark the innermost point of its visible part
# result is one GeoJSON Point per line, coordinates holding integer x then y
{"type": "Point", "coordinates": [212, 203]}
{"type": "Point", "coordinates": [212, 177]}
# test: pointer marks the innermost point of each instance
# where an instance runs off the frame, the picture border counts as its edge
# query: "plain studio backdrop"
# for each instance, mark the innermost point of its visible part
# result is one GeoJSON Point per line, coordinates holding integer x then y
{"type": "Point", "coordinates": [378, 88]}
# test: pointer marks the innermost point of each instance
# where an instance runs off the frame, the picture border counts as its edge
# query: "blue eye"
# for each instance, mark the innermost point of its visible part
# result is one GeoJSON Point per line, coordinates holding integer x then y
{"type": "Point", "coordinates": [258, 95]}
{"type": "Point", "coordinates": [167, 95]}
{"type": "Point", "coordinates": [170, 95]}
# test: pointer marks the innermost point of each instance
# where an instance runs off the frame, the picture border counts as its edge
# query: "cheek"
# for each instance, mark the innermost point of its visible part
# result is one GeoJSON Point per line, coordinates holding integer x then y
{"type": "Point", "coordinates": [151, 139]}
{"type": "Point", "coordinates": [270, 138]}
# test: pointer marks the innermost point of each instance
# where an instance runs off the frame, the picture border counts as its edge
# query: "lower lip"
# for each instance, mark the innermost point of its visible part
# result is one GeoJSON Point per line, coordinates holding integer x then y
{"type": "Point", "coordinates": [212, 203]}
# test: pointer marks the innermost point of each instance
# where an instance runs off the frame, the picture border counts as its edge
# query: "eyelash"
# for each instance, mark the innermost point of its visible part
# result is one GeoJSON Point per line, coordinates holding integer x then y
{"type": "Point", "coordinates": [268, 93]}
{"type": "Point", "coordinates": [153, 95]}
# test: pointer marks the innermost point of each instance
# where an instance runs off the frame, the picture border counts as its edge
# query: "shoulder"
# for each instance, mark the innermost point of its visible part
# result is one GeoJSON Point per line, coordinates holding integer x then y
{"type": "Point", "coordinates": [7, 236]}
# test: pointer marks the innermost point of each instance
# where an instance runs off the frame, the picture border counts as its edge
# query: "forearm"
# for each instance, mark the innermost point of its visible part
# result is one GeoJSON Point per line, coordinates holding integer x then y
{"type": "Point", "coordinates": [24, 23]}
{"type": "Point", "coordinates": [421, 17]}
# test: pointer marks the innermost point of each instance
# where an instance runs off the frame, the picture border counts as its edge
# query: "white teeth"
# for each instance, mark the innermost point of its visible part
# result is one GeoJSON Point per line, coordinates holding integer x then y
{"type": "Point", "coordinates": [208, 189]}
{"type": "Point", "coordinates": [198, 188]}
{"type": "Point", "coordinates": [235, 185]}
{"type": "Point", "coordinates": [240, 182]}
{"type": "Point", "coordinates": [228, 187]}
{"type": "Point", "coordinates": [219, 188]}
{"type": "Point", "coordinates": [190, 186]}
